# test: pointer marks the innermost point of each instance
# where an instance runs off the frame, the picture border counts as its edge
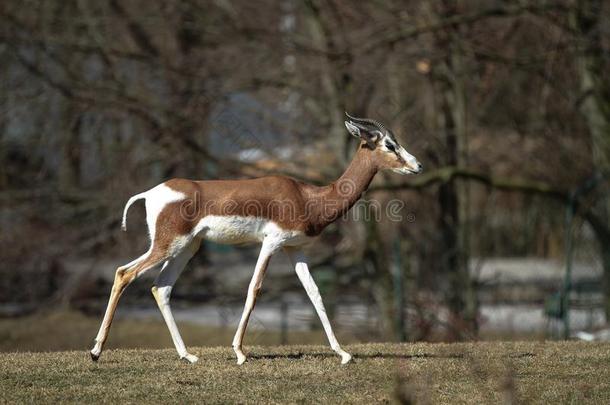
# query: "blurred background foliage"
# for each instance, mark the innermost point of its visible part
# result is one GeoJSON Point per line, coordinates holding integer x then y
{"type": "Point", "coordinates": [506, 103]}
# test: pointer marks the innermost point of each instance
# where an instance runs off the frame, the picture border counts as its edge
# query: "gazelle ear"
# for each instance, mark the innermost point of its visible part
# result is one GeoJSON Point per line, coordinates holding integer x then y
{"type": "Point", "coordinates": [352, 129]}
{"type": "Point", "coordinates": [371, 136]}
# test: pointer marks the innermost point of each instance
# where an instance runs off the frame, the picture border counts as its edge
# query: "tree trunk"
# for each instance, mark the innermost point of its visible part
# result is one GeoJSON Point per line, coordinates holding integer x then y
{"type": "Point", "coordinates": [585, 20]}
{"type": "Point", "coordinates": [335, 80]}
{"type": "Point", "coordinates": [451, 117]}
{"type": "Point", "coordinates": [376, 255]}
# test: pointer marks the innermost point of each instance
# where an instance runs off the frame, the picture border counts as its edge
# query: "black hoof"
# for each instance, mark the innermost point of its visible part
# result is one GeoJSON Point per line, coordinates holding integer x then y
{"type": "Point", "coordinates": [94, 357]}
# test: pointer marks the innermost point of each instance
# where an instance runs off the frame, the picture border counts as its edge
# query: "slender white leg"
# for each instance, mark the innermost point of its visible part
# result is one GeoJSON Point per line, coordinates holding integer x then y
{"type": "Point", "coordinates": [300, 265]}
{"type": "Point", "coordinates": [162, 290]}
{"type": "Point", "coordinates": [122, 278]}
{"type": "Point", "coordinates": [268, 248]}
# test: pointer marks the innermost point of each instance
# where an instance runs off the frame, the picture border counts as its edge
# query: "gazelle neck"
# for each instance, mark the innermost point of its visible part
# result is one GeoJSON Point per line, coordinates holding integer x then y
{"type": "Point", "coordinates": [338, 197]}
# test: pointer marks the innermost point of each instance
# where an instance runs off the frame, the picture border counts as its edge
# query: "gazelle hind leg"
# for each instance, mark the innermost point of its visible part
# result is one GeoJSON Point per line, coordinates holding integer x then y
{"type": "Point", "coordinates": [269, 247]}
{"type": "Point", "coordinates": [300, 264]}
{"type": "Point", "coordinates": [123, 277]}
{"type": "Point", "coordinates": [162, 290]}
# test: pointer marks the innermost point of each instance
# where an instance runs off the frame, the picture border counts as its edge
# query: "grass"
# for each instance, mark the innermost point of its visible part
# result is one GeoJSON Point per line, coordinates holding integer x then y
{"type": "Point", "coordinates": [134, 370]}
{"type": "Point", "coordinates": [491, 372]}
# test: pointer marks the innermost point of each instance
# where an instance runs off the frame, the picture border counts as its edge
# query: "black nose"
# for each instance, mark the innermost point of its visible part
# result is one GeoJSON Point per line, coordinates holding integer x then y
{"type": "Point", "coordinates": [419, 167]}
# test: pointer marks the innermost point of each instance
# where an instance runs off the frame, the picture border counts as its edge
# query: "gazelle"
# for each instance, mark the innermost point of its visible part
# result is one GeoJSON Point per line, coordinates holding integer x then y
{"type": "Point", "coordinates": [279, 212]}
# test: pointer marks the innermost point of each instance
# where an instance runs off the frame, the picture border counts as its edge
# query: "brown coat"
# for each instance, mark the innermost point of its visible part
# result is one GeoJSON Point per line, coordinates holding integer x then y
{"type": "Point", "coordinates": [291, 204]}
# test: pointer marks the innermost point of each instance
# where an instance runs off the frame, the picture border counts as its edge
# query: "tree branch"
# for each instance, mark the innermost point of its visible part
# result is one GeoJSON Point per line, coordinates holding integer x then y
{"type": "Point", "coordinates": [461, 19]}
{"type": "Point", "coordinates": [139, 35]}
{"type": "Point", "coordinates": [450, 173]}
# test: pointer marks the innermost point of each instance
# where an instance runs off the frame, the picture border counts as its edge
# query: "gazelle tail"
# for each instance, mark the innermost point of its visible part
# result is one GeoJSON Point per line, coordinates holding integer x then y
{"type": "Point", "coordinates": [131, 201]}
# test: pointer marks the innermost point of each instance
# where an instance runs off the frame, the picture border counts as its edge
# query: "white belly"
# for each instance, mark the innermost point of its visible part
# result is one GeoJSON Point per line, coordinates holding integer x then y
{"type": "Point", "coordinates": [237, 229]}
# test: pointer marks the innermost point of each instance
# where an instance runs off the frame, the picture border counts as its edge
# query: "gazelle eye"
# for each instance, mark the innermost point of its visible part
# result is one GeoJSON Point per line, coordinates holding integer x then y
{"type": "Point", "coordinates": [390, 147]}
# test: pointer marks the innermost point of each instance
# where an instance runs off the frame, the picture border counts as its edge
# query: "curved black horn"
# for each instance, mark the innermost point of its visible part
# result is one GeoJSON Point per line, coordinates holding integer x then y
{"type": "Point", "coordinates": [367, 121]}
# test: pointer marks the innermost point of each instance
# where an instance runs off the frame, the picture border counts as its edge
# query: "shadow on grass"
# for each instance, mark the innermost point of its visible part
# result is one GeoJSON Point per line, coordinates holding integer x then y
{"type": "Point", "coordinates": [378, 355]}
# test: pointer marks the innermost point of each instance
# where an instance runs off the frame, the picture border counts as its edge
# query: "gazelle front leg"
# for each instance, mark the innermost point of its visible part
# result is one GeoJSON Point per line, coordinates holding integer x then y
{"type": "Point", "coordinates": [269, 247]}
{"type": "Point", "coordinates": [300, 264]}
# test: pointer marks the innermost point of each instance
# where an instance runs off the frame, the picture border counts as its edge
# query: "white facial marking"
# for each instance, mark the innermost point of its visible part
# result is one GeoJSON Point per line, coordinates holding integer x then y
{"type": "Point", "coordinates": [411, 163]}
{"type": "Point", "coordinates": [410, 159]}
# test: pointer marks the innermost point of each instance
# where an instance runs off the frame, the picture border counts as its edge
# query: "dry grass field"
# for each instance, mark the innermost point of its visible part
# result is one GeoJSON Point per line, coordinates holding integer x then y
{"type": "Point", "coordinates": [493, 372]}
{"type": "Point", "coordinates": [43, 358]}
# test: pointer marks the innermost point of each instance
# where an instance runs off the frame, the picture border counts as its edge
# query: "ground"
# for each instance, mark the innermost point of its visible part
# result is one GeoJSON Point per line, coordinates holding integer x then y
{"type": "Point", "coordinates": [33, 367]}
{"type": "Point", "coordinates": [538, 372]}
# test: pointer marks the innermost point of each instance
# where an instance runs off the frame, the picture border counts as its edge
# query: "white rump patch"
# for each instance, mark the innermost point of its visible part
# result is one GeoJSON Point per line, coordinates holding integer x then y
{"type": "Point", "coordinates": [156, 199]}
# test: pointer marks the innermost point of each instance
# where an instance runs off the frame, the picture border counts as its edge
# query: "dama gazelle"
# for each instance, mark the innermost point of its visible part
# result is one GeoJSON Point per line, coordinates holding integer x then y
{"type": "Point", "coordinates": [279, 212]}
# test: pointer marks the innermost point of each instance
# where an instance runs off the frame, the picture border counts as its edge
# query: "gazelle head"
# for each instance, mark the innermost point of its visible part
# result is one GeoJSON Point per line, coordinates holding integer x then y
{"type": "Point", "coordinates": [388, 153]}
